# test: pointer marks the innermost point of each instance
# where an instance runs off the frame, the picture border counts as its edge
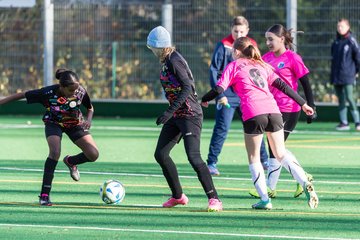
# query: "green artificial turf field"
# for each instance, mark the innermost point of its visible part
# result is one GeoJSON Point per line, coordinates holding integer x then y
{"type": "Point", "coordinates": [126, 154]}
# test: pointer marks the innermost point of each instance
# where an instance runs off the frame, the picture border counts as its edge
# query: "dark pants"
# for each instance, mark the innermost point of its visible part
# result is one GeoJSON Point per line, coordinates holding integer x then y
{"type": "Point", "coordinates": [345, 94]}
{"type": "Point", "coordinates": [190, 131]}
{"type": "Point", "coordinates": [224, 117]}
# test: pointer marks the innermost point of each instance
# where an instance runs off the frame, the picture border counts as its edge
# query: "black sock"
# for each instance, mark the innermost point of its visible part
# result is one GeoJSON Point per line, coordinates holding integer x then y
{"type": "Point", "coordinates": [49, 169]}
{"type": "Point", "coordinates": [78, 159]}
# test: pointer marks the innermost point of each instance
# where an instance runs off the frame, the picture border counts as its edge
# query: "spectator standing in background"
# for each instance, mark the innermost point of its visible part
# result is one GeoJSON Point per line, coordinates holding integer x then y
{"type": "Point", "coordinates": [345, 63]}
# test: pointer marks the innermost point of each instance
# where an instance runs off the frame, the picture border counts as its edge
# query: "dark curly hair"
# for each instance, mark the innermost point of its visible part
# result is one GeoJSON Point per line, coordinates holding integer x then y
{"type": "Point", "coordinates": [66, 77]}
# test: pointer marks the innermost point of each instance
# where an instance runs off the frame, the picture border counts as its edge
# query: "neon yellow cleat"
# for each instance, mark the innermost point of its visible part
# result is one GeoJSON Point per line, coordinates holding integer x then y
{"type": "Point", "coordinates": [272, 193]}
{"type": "Point", "coordinates": [255, 194]}
{"type": "Point", "coordinates": [299, 189]}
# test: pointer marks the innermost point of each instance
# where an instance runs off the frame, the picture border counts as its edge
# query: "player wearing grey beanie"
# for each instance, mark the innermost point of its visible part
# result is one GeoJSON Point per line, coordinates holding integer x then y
{"type": "Point", "coordinates": [182, 120]}
{"type": "Point", "coordinates": [159, 37]}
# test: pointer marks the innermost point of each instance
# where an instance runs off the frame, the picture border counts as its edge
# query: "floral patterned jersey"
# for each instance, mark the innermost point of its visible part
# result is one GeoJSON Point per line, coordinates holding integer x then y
{"type": "Point", "coordinates": [178, 84]}
{"type": "Point", "coordinates": [60, 110]}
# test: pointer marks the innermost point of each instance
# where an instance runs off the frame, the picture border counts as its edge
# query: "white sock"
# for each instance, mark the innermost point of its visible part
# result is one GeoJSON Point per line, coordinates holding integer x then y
{"type": "Point", "coordinates": [290, 163]}
{"type": "Point", "coordinates": [258, 178]}
{"type": "Point", "coordinates": [274, 171]}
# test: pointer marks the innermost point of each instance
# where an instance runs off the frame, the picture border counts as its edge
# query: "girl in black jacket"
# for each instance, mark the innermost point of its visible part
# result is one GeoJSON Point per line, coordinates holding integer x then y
{"type": "Point", "coordinates": [181, 120]}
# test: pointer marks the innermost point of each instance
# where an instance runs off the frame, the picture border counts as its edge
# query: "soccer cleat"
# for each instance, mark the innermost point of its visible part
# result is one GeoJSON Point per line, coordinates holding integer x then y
{"type": "Point", "coordinates": [213, 169]}
{"type": "Point", "coordinates": [299, 189]}
{"type": "Point", "coordinates": [255, 194]}
{"type": "Point", "coordinates": [266, 205]}
{"type": "Point", "coordinates": [342, 127]}
{"type": "Point", "coordinates": [74, 172]}
{"type": "Point", "coordinates": [215, 205]}
{"type": "Point", "coordinates": [357, 126]}
{"type": "Point", "coordinates": [44, 200]}
{"type": "Point", "coordinates": [309, 177]}
{"type": "Point", "coordinates": [172, 202]}
{"type": "Point", "coordinates": [311, 196]}
{"type": "Point", "coordinates": [272, 193]}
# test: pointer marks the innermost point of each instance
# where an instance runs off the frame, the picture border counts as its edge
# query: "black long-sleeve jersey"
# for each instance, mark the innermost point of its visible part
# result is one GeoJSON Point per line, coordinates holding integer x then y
{"type": "Point", "coordinates": [179, 86]}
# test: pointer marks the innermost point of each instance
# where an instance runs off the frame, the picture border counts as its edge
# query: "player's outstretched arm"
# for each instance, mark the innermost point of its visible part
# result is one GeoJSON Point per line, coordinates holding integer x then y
{"type": "Point", "coordinates": [14, 97]}
{"type": "Point", "coordinates": [89, 117]}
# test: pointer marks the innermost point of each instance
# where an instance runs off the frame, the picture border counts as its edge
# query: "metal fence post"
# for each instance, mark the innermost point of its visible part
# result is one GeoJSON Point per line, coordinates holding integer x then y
{"type": "Point", "coordinates": [48, 42]}
{"type": "Point", "coordinates": [291, 18]}
{"type": "Point", "coordinates": [167, 17]}
{"type": "Point", "coordinates": [114, 50]}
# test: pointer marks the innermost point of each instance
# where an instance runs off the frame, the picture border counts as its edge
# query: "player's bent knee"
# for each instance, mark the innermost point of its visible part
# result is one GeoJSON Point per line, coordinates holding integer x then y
{"type": "Point", "coordinates": [198, 165]}
{"type": "Point", "coordinates": [93, 155]}
{"type": "Point", "coordinates": [158, 156]}
{"type": "Point", "coordinates": [161, 156]}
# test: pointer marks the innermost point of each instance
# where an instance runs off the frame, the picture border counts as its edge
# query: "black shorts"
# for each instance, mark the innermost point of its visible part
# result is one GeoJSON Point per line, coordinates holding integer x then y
{"type": "Point", "coordinates": [74, 133]}
{"type": "Point", "coordinates": [290, 120]}
{"type": "Point", "coordinates": [182, 127]}
{"type": "Point", "coordinates": [270, 122]}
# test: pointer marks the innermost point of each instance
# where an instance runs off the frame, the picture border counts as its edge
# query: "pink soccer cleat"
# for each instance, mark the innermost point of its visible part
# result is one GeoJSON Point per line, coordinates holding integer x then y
{"type": "Point", "coordinates": [215, 205]}
{"type": "Point", "coordinates": [172, 202]}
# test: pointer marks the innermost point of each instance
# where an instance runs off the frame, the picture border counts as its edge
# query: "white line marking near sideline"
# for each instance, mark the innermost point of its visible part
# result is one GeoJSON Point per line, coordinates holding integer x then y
{"type": "Point", "coordinates": [169, 231]}
{"type": "Point", "coordinates": [161, 176]}
{"type": "Point", "coordinates": [157, 129]}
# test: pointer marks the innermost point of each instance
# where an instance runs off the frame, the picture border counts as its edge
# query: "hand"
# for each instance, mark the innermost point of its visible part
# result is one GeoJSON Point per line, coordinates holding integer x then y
{"type": "Point", "coordinates": [307, 109]}
{"type": "Point", "coordinates": [163, 118]}
{"type": "Point", "coordinates": [205, 104]}
{"type": "Point", "coordinates": [223, 101]}
{"type": "Point", "coordinates": [311, 118]}
{"type": "Point", "coordinates": [86, 125]}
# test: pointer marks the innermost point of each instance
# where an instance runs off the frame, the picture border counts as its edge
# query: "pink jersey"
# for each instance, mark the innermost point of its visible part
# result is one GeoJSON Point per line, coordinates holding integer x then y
{"type": "Point", "coordinates": [250, 81]}
{"type": "Point", "coordinates": [290, 67]}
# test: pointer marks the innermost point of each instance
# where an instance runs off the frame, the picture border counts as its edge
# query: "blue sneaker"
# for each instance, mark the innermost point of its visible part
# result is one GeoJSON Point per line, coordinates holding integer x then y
{"type": "Point", "coordinates": [213, 169]}
{"type": "Point", "coordinates": [266, 205]}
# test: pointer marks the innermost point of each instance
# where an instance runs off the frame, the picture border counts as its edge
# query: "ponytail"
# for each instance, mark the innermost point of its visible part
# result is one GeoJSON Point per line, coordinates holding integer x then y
{"type": "Point", "coordinates": [66, 77]}
{"type": "Point", "coordinates": [244, 45]}
{"type": "Point", "coordinates": [280, 31]}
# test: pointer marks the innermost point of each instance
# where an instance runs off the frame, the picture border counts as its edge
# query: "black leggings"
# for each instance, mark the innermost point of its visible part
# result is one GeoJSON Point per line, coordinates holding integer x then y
{"type": "Point", "coordinates": [171, 134]}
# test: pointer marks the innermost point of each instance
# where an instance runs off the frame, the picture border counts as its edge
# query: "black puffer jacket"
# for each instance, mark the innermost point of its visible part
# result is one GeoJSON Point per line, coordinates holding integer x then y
{"type": "Point", "coordinates": [345, 62]}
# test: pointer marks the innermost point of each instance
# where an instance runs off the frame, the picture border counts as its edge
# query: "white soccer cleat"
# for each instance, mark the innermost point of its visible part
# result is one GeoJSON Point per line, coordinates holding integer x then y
{"type": "Point", "coordinates": [313, 200]}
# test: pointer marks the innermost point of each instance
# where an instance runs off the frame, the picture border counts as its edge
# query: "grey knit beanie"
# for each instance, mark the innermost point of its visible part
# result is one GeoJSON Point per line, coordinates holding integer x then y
{"type": "Point", "coordinates": [159, 37]}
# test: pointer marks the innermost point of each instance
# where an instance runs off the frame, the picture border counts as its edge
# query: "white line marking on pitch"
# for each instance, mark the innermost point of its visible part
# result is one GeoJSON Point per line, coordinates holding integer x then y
{"type": "Point", "coordinates": [161, 176]}
{"type": "Point", "coordinates": [155, 129]}
{"type": "Point", "coordinates": [169, 231]}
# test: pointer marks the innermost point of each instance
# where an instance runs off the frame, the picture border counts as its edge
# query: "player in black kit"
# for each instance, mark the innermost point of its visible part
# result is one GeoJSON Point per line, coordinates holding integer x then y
{"type": "Point", "coordinates": [182, 119]}
{"type": "Point", "coordinates": [62, 103]}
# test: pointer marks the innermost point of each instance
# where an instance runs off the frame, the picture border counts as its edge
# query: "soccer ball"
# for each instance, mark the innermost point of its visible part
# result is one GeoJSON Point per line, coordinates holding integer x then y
{"type": "Point", "coordinates": [112, 191]}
